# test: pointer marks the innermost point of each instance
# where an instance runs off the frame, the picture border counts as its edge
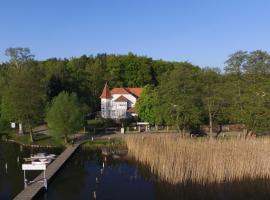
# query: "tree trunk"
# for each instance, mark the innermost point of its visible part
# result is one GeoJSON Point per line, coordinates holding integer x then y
{"type": "Point", "coordinates": [220, 130]}
{"type": "Point", "coordinates": [168, 128]}
{"type": "Point", "coordinates": [183, 132]}
{"type": "Point", "coordinates": [210, 124]}
{"type": "Point", "coordinates": [156, 126]}
{"type": "Point", "coordinates": [66, 139]}
{"type": "Point", "coordinates": [31, 135]}
{"type": "Point", "coordinates": [245, 132]}
{"type": "Point", "coordinates": [178, 128]}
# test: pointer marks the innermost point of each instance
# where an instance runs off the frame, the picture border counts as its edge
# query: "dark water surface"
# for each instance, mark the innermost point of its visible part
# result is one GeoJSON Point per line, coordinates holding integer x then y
{"type": "Point", "coordinates": [85, 177]}
{"type": "Point", "coordinates": [11, 179]}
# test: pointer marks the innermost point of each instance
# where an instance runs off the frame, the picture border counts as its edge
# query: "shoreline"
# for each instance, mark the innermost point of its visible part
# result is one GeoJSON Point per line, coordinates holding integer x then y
{"type": "Point", "coordinates": [32, 145]}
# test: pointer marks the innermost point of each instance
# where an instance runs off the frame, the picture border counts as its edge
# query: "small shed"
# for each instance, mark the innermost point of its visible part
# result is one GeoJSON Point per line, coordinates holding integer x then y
{"type": "Point", "coordinates": [143, 126]}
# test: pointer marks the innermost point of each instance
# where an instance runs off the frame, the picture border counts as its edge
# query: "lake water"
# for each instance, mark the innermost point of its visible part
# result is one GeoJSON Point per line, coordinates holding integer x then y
{"type": "Point", "coordinates": [88, 175]}
{"type": "Point", "coordinates": [11, 178]}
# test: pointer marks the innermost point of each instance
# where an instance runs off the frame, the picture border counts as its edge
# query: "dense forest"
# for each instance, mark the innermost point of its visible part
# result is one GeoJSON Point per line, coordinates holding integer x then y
{"type": "Point", "coordinates": [176, 93]}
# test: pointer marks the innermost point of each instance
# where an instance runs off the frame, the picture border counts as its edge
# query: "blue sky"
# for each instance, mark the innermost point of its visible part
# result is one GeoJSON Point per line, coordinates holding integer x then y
{"type": "Point", "coordinates": [203, 32]}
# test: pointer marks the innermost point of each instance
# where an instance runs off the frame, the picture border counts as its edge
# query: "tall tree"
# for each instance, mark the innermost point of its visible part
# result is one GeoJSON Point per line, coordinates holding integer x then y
{"type": "Point", "coordinates": [147, 106]}
{"type": "Point", "coordinates": [19, 56]}
{"type": "Point", "coordinates": [64, 117]}
{"type": "Point", "coordinates": [213, 97]}
{"type": "Point", "coordinates": [249, 91]}
{"type": "Point", "coordinates": [24, 97]}
{"type": "Point", "coordinates": [179, 95]}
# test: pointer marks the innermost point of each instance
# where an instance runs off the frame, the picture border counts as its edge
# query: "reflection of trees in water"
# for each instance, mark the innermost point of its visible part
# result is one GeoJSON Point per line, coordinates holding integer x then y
{"type": "Point", "coordinates": [241, 190]}
{"type": "Point", "coordinates": [125, 178]}
{"type": "Point", "coordinates": [70, 180]}
{"type": "Point", "coordinates": [11, 182]}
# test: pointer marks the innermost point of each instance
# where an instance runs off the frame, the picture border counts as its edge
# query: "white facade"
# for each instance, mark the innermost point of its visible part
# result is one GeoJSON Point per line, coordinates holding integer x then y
{"type": "Point", "coordinates": [118, 104]}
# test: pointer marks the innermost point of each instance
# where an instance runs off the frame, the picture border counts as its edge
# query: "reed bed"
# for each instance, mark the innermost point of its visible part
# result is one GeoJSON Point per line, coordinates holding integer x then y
{"type": "Point", "coordinates": [180, 160]}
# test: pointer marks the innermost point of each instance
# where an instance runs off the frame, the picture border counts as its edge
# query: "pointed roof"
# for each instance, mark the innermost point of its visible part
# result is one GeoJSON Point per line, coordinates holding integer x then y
{"type": "Point", "coordinates": [121, 99]}
{"type": "Point", "coordinates": [106, 94]}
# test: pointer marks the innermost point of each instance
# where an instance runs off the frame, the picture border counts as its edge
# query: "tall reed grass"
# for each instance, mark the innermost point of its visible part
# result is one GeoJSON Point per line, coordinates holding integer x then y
{"type": "Point", "coordinates": [179, 160]}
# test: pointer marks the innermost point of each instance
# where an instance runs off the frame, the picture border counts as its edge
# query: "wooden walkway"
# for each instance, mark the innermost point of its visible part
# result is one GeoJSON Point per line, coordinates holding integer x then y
{"type": "Point", "coordinates": [33, 189]}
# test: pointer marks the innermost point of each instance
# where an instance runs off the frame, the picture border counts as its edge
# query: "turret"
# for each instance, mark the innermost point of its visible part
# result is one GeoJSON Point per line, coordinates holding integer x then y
{"type": "Point", "coordinates": [105, 102]}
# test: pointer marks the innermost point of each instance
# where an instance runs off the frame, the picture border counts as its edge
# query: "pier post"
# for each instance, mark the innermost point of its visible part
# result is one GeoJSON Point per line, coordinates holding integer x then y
{"type": "Point", "coordinates": [25, 180]}
{"type": "Point", "coordinates": [45, 180]}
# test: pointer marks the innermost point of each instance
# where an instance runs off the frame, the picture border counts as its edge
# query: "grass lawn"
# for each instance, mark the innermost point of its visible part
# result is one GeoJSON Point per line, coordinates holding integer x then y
{"type": "Point", "coordinates": [104, 143]}
{"type": "Point", "coordinates": [40, 139]}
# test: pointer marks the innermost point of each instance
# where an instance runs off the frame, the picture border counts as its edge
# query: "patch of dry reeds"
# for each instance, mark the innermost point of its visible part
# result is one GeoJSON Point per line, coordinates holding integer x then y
{"type": "Point", "coordinates": [178, 160]}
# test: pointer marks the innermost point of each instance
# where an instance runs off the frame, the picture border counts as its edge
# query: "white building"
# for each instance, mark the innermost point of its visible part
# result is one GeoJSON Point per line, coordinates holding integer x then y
{"type": "Point", "coordinates": [119, 102]}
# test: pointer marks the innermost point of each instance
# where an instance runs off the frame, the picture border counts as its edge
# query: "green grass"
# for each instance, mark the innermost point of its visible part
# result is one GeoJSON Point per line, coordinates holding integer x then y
{"type": "Point", "coordinates": [40, 139]}
{"type": "Point", "coordinates": [102, 143]}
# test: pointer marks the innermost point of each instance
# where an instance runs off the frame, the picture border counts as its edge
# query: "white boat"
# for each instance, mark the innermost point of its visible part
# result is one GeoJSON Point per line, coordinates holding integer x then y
{"type": "Point", "coordinates": [43, 156]}
{"type": "Point", "coordinates": [41, 161]}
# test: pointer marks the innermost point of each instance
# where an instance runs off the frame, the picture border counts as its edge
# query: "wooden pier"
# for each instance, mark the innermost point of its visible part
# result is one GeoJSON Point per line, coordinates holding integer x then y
{"type": "Point", "coordinates": [33, 189]}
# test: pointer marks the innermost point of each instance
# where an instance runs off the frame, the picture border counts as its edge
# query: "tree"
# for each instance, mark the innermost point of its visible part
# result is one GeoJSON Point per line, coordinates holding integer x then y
{"type": "Point", "coordinates": [213, 97]}
{"type": "Point", "coordinates": [179, 94]}
{"type": "Point", "coordinates": [249, 91]}
{"type": "Point", "coordinates": [64, 117]}
{"type": "Point", "coordinates": [24, 97]}
{"type": "Point", "coordinates": [4, 123]}
{"type": "Point", "coordinates": [148, 104]}
{"type": "Point", "coordinates": [19, 56]}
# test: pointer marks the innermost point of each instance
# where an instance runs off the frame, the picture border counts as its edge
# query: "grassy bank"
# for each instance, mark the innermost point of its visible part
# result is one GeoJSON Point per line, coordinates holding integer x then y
{"type": "Point", "coordinates": [40, 140]}
{"type": "Point", "coordinates": [179, 160]}
{"type": "Point", "coordinates": [105, 143]}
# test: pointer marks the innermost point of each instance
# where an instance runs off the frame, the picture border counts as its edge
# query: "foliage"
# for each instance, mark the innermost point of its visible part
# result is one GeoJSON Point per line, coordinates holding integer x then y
{"type": "Point", "coordinates": [19, 56]}
{"type": "Point", "coordinates": [179, 94]}
{"type": "Point", "coordinates": [250, 91]}
{"type": "Point", "coordinates": [64, 117]}
{"type": "Point", "coordinates": [213, 97]}
{"type": "Point", "coordinates": [148, 104]}
{"type": "Point", "coordinates": [23, 97]}
{"type": "Point", "coordinates": [4, 126]}
{"type": "Point", "coordinates": [176, 93]}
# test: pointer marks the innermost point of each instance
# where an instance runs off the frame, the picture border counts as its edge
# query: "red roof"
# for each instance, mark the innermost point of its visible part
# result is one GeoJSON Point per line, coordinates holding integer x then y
{"type": "Point", "coordinates": [119, 91]}
{"type": "Point", "coordinates": [106, 94]}
{"type": "Point", "coordinates": [136, 91]}
{"type": "Point", "coordinates": [133, 91]}
{"type": "Point", "coordinates": [121, 99]}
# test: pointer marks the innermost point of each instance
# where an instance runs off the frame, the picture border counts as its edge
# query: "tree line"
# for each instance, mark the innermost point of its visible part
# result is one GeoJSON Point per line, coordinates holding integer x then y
{"type": "Point", "coordinates": [188, 96]}
{"type": "Point", "coordinates": [177, 94]}
{"type": "Point", "coordinates": [28, 87]}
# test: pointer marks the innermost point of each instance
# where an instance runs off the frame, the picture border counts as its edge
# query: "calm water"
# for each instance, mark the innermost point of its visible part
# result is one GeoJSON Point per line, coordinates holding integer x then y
{"type": "Point", "coordinates": [11, 179]}
{"type": "Point", "coordinates": [84, 177]}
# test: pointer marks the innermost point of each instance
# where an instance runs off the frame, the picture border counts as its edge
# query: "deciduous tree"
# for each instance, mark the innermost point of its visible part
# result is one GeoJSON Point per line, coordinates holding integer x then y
{"type": "Point", "coordinates": [64, 117]}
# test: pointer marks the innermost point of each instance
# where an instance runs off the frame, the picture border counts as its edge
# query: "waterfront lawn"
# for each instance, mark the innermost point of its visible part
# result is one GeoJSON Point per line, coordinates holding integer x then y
{"type": "Point", "coordinates": [40, 139]}
{"type": "Point", "coordinates": [105, 143]}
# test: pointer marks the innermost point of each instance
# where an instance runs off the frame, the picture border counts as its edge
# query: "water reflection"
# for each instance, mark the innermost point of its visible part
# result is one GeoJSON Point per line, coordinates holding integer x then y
{"type": "Point", "coordinates": [89, 175]}
{"type": "Point", "coordinates": [11, 174]}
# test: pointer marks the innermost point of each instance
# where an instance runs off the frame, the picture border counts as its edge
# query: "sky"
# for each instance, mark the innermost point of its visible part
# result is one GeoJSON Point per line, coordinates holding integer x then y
{"type": "Point", "coordinates": [203, 32]}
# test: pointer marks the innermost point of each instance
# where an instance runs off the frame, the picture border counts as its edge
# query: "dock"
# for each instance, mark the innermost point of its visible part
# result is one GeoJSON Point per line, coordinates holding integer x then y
{"type": "Point", "coordinates": [33, 189]}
